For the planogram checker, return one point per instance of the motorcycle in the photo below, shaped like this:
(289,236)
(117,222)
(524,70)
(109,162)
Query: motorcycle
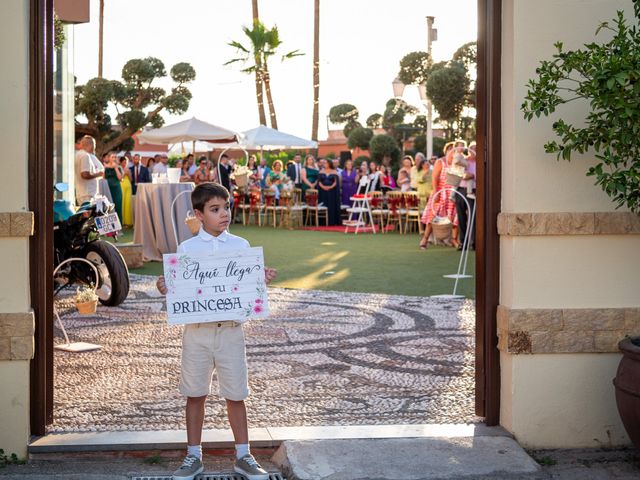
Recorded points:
(77,234)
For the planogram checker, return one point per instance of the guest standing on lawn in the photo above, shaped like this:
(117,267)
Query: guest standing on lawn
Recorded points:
(139,174)
(113,173)
(202,173)
(349,182)
(404,174)
(329,193)
(88,171)
(440,204)
(309,174)
(215,345)
(387,183)
(125,184)
(424,180)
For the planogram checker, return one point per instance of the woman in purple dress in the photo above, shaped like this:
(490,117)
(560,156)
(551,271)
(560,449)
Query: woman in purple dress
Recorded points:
(349,183)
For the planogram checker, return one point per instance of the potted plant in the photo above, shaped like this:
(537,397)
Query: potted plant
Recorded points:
(86,299)
(628,388)
(605,75)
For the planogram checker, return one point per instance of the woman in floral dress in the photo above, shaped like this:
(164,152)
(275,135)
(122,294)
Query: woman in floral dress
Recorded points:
(440,204)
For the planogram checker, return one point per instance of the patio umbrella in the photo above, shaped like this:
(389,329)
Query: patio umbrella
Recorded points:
(265,138)
(188,131)
(200,146)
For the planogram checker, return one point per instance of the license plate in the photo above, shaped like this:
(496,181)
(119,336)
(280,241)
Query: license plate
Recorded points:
(108,224)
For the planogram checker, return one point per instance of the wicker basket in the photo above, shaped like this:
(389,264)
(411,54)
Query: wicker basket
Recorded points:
(242,180)
(194,224)
(453,179)
(86,308)
(442,228)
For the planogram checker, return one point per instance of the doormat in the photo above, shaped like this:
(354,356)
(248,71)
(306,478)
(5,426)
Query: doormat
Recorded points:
(322,358)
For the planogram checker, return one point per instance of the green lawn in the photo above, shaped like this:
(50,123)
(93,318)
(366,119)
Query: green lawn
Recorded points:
(389,263)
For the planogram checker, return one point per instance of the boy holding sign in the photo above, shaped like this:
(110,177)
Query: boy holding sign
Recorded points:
(214,344)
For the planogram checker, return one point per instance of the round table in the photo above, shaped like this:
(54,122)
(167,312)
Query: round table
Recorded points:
(152,226)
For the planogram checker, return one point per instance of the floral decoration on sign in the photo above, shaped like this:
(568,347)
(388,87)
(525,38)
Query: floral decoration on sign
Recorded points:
(257,306)
(175,263)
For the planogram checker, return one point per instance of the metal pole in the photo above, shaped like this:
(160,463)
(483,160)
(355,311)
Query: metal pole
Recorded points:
(429,106)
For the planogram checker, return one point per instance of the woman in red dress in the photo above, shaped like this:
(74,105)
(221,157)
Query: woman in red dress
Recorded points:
(440,203)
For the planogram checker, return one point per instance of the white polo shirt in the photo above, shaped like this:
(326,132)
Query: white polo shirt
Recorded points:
(204,242)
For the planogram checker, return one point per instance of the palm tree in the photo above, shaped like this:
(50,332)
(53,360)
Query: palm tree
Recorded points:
(258,79)
(263,45)
(316,69)
(100,38)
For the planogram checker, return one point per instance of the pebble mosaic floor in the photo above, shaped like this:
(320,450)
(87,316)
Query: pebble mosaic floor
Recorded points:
(322,358)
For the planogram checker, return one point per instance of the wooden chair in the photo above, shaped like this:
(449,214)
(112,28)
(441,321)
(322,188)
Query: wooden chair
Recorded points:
(378,212)
(314,210)
(238,202)
(253,208)
(413,213)
(270,208)
(297,208)
(396,211)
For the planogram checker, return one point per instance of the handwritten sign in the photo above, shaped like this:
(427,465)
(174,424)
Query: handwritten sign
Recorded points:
(213,287)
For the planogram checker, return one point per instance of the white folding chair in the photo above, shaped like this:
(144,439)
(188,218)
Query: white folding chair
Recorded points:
(361,207)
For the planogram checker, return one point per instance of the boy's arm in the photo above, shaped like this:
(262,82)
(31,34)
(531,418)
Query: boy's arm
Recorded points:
(161,286)
(270,274)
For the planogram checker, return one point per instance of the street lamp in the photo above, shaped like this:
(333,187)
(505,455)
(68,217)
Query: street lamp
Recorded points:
(432,36)
(398,87)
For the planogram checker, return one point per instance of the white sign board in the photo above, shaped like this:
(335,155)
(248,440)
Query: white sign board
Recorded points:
(213,287)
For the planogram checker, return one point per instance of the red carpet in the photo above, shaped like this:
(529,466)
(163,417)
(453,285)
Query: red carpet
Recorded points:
(340,229)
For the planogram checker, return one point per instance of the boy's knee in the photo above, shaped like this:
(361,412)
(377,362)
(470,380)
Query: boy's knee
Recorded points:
(234,402)
(197,399)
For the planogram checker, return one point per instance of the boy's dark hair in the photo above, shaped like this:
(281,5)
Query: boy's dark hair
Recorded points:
(205,192)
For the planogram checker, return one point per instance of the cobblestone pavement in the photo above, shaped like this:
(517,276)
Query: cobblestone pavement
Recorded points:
(322,358)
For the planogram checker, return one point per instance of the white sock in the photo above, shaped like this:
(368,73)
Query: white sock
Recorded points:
(195,450)
(242,449)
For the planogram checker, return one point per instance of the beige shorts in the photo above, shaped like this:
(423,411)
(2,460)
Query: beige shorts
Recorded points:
(209,346)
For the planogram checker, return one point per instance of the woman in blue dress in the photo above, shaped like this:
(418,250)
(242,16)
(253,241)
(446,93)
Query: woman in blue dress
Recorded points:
(329,192)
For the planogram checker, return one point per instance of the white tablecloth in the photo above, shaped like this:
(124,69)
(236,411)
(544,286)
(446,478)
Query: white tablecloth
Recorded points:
(152,225)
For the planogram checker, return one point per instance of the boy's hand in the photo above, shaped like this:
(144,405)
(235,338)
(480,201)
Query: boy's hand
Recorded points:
(162,287)
(270,274)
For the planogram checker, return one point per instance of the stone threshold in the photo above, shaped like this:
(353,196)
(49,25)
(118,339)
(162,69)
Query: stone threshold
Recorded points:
(270,437)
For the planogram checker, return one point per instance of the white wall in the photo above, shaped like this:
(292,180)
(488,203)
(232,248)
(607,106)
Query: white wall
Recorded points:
(558,400)
(14,281)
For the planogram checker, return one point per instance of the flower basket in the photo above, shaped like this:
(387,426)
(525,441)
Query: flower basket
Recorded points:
(442,228)
(86,299)
(193,223)
(454,176)
(241,180)
(86,308)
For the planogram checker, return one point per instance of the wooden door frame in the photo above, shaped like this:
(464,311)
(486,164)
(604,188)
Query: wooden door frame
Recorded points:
(40,167)
(489,177)
(488,206)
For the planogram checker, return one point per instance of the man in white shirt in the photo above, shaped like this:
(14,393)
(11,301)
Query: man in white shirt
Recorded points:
(88,171)
(161,166)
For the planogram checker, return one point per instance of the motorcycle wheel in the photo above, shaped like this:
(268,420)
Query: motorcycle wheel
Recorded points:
(113,286)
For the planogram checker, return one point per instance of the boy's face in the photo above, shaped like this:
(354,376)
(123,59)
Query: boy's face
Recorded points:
(216,215)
